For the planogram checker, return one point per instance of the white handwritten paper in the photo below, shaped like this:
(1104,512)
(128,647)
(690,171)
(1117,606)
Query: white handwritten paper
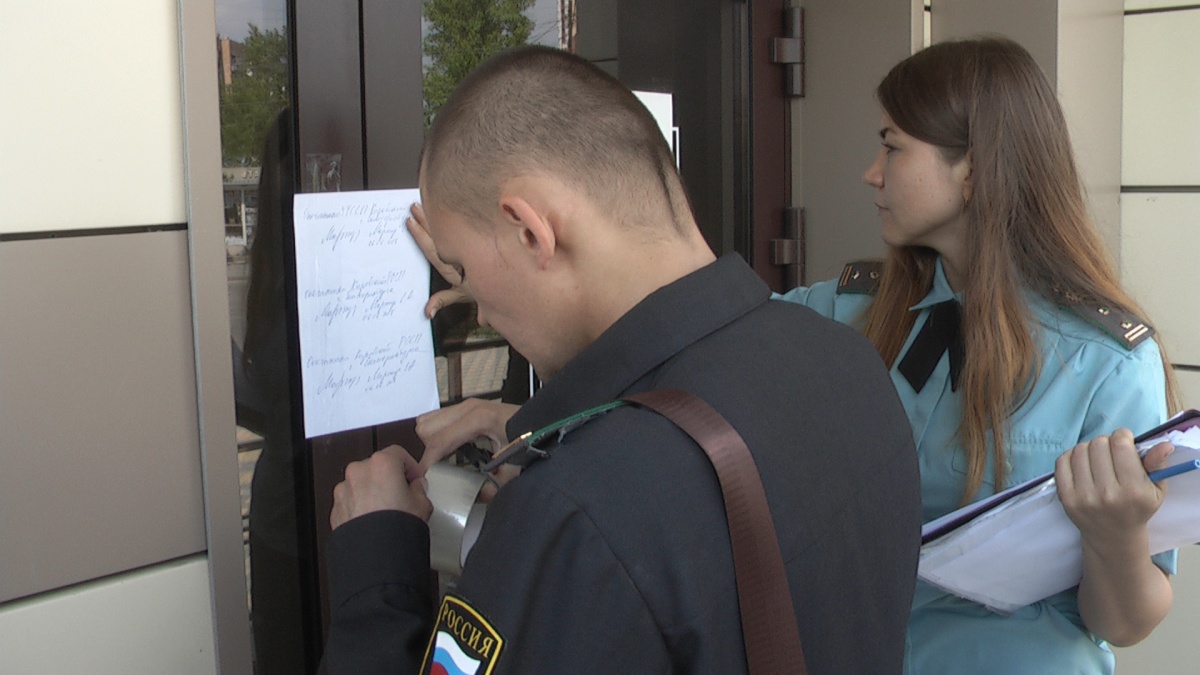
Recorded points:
(366,349)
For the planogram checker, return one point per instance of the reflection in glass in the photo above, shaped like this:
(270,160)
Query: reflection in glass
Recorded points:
(265,406)
(257,158)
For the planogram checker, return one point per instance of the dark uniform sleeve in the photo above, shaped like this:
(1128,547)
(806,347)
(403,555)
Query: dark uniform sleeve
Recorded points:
(379,586)
(545,577)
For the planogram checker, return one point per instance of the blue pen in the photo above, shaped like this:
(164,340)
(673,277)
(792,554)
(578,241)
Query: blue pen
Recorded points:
(1183,467)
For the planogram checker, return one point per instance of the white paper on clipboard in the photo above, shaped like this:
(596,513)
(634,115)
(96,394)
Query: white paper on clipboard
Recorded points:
(1026,548)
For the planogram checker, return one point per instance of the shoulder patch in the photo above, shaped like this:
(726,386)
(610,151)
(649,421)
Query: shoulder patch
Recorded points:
(1127,329)
(463,642)
(860,277)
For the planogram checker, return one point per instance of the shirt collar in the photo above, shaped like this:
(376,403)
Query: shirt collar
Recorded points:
(1045,311)
(656,329)
(939,291)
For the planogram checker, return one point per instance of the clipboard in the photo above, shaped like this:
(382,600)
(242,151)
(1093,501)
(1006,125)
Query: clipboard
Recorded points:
(1019,547)
(946,524)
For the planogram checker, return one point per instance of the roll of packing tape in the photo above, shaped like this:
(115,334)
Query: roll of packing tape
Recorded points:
(457,517)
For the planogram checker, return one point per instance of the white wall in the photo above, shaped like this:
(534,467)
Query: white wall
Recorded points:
(1159,232)
(149,622)
(91,132)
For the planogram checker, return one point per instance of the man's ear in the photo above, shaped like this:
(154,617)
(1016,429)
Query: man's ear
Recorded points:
(534,230)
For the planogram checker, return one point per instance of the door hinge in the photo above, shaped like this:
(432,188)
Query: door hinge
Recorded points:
(788,251)
(788,50)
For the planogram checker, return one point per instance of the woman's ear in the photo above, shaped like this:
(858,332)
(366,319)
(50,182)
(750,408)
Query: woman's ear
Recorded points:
(966,166)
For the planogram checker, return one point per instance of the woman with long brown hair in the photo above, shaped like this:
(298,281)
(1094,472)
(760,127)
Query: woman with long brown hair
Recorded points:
(1010,340)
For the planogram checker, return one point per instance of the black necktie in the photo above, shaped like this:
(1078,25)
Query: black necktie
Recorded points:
(941,332)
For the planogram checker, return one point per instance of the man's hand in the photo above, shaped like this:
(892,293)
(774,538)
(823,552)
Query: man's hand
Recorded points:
(472,421)
(390,479)
(419,230)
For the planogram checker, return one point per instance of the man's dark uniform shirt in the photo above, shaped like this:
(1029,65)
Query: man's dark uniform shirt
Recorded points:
(612,555)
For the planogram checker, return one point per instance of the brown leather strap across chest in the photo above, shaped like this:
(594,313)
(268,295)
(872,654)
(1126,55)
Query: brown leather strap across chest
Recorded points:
(768,619)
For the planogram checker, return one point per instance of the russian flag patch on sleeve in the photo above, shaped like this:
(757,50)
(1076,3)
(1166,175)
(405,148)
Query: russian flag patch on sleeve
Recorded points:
(463,642)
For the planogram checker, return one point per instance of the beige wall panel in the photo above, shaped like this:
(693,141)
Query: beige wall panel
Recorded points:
(151,622)
(92,131)
(1189,384)
(99,457)
(1171,648)
(1154,4)
(1033,23)
(849,46)
(1160,235)
(1162,99)
(1090,36)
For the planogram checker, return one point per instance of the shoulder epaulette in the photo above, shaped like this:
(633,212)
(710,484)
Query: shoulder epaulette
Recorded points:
(1124,327)
(860,277)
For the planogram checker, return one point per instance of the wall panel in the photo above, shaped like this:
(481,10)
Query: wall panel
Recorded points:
(1189,384)
(1154,4)
(99,455)
(850,46)
(1162,99)
(1160,235)
(92,132)
(150,622)
(1033,23)
(1160,141)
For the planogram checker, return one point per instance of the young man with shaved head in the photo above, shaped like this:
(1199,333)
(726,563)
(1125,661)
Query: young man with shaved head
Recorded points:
(550,189)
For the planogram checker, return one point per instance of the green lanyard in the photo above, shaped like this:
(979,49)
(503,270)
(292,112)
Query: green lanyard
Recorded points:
(531,445)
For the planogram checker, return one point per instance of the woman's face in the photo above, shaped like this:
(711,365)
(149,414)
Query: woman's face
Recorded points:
(922,198)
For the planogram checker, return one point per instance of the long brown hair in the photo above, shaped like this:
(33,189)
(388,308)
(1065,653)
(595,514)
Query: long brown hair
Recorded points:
(1028,227)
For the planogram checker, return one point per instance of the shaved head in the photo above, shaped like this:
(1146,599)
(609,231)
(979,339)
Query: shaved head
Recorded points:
(536,110)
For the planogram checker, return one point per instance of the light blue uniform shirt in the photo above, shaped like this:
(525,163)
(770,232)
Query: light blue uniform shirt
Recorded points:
(1089,385)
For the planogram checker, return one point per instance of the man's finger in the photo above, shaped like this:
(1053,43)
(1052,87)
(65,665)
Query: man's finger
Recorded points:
(442,299)
(412,468)
(419,230)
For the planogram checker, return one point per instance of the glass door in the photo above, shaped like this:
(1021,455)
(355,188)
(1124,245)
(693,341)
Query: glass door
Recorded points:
(335,96)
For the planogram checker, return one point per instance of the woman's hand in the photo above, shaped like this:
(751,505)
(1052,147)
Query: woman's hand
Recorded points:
(1104,487)
(1105,491)
(419,229)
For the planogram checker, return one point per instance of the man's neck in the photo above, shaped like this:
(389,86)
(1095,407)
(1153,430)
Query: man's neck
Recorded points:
(616,288)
